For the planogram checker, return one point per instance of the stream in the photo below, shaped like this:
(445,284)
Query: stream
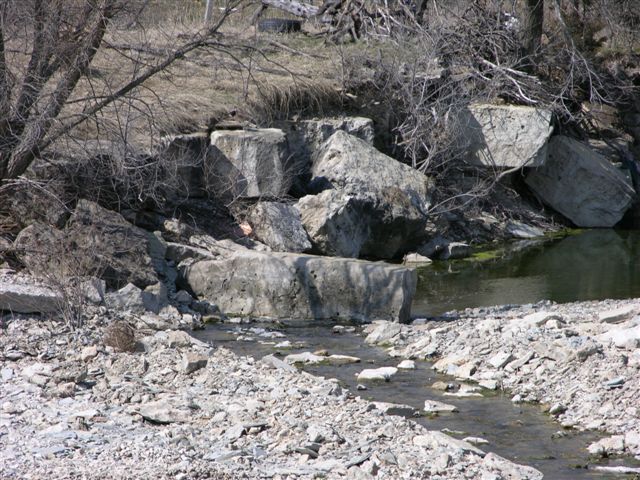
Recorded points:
(594,265)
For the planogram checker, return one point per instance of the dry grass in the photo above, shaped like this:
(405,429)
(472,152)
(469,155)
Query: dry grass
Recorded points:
(263,75)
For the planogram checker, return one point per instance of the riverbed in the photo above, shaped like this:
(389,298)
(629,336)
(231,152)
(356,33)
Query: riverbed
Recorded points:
(519,432)
(594,265)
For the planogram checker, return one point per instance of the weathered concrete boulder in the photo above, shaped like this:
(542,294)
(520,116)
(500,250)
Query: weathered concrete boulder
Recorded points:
(299,287)
(307,136)
(28,298)
(505,135)
(248,163)
(136,300)
(279,226)
(96,242)
(369,204)
(581,184)
(380,225)
(347,163)
(183,157)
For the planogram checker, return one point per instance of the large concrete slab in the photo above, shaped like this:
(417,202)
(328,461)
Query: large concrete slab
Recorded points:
(303,287)
(248,163)
(581,184)
(505,136)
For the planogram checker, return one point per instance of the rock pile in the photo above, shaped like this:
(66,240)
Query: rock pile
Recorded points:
(580,360)
(72,408)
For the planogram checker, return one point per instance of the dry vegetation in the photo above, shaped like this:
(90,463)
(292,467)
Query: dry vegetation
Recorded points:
(394,74)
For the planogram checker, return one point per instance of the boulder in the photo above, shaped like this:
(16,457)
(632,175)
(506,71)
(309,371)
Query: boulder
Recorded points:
(279,226)
(383,225)
(136,300)
(28,298)
(416,259)
(505,136)
(27,203)
(383,374)
(116,251)
(295,286)
(581,184)
(350,164)
(247,163)
(357,213)
(183,157)
(307,136)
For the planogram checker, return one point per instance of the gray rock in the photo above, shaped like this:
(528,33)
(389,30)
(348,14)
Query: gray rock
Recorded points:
(95,243)
(435,439)
(433,247)
(453,250)
(416,259)
(248,163)
(557,409)
(381,215)
(607,446)
(377,374)
(341,359)
(618,315)
(395,409)
(304,357)
(382,332)
(279,226)
(507,469)
(277,363)
(192,362)
(433,406)
(505,135)
(407,365)
(133,299)
(346,224)
(284,285)
(628,338)
(522,230)
(183,158)
(307,136)
(500,360)
(581,184)
(119,250)
(93,289)
(348,163)
(29,298)
(161,412)
(89,353)
(184,297)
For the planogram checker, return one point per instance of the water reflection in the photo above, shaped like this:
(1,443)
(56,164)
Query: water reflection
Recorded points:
(594,265)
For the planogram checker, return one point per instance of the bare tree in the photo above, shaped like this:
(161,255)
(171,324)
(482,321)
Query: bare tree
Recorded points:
(46,48)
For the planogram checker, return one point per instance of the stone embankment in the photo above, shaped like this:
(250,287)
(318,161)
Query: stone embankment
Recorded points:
(71,407)
(580,361)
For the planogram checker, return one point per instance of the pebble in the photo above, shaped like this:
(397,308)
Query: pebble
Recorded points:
(580,358)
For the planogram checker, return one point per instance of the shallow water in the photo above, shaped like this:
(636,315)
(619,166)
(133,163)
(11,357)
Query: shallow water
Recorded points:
(518,432)
(594,265)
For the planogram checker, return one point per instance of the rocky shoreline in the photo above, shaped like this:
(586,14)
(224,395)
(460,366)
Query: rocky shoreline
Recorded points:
(72,407)
(580,361)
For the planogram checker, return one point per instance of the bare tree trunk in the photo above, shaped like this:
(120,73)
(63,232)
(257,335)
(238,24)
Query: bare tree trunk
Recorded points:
(294,7)
(532,29)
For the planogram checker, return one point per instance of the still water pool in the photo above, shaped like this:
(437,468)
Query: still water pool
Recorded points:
(593,265)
